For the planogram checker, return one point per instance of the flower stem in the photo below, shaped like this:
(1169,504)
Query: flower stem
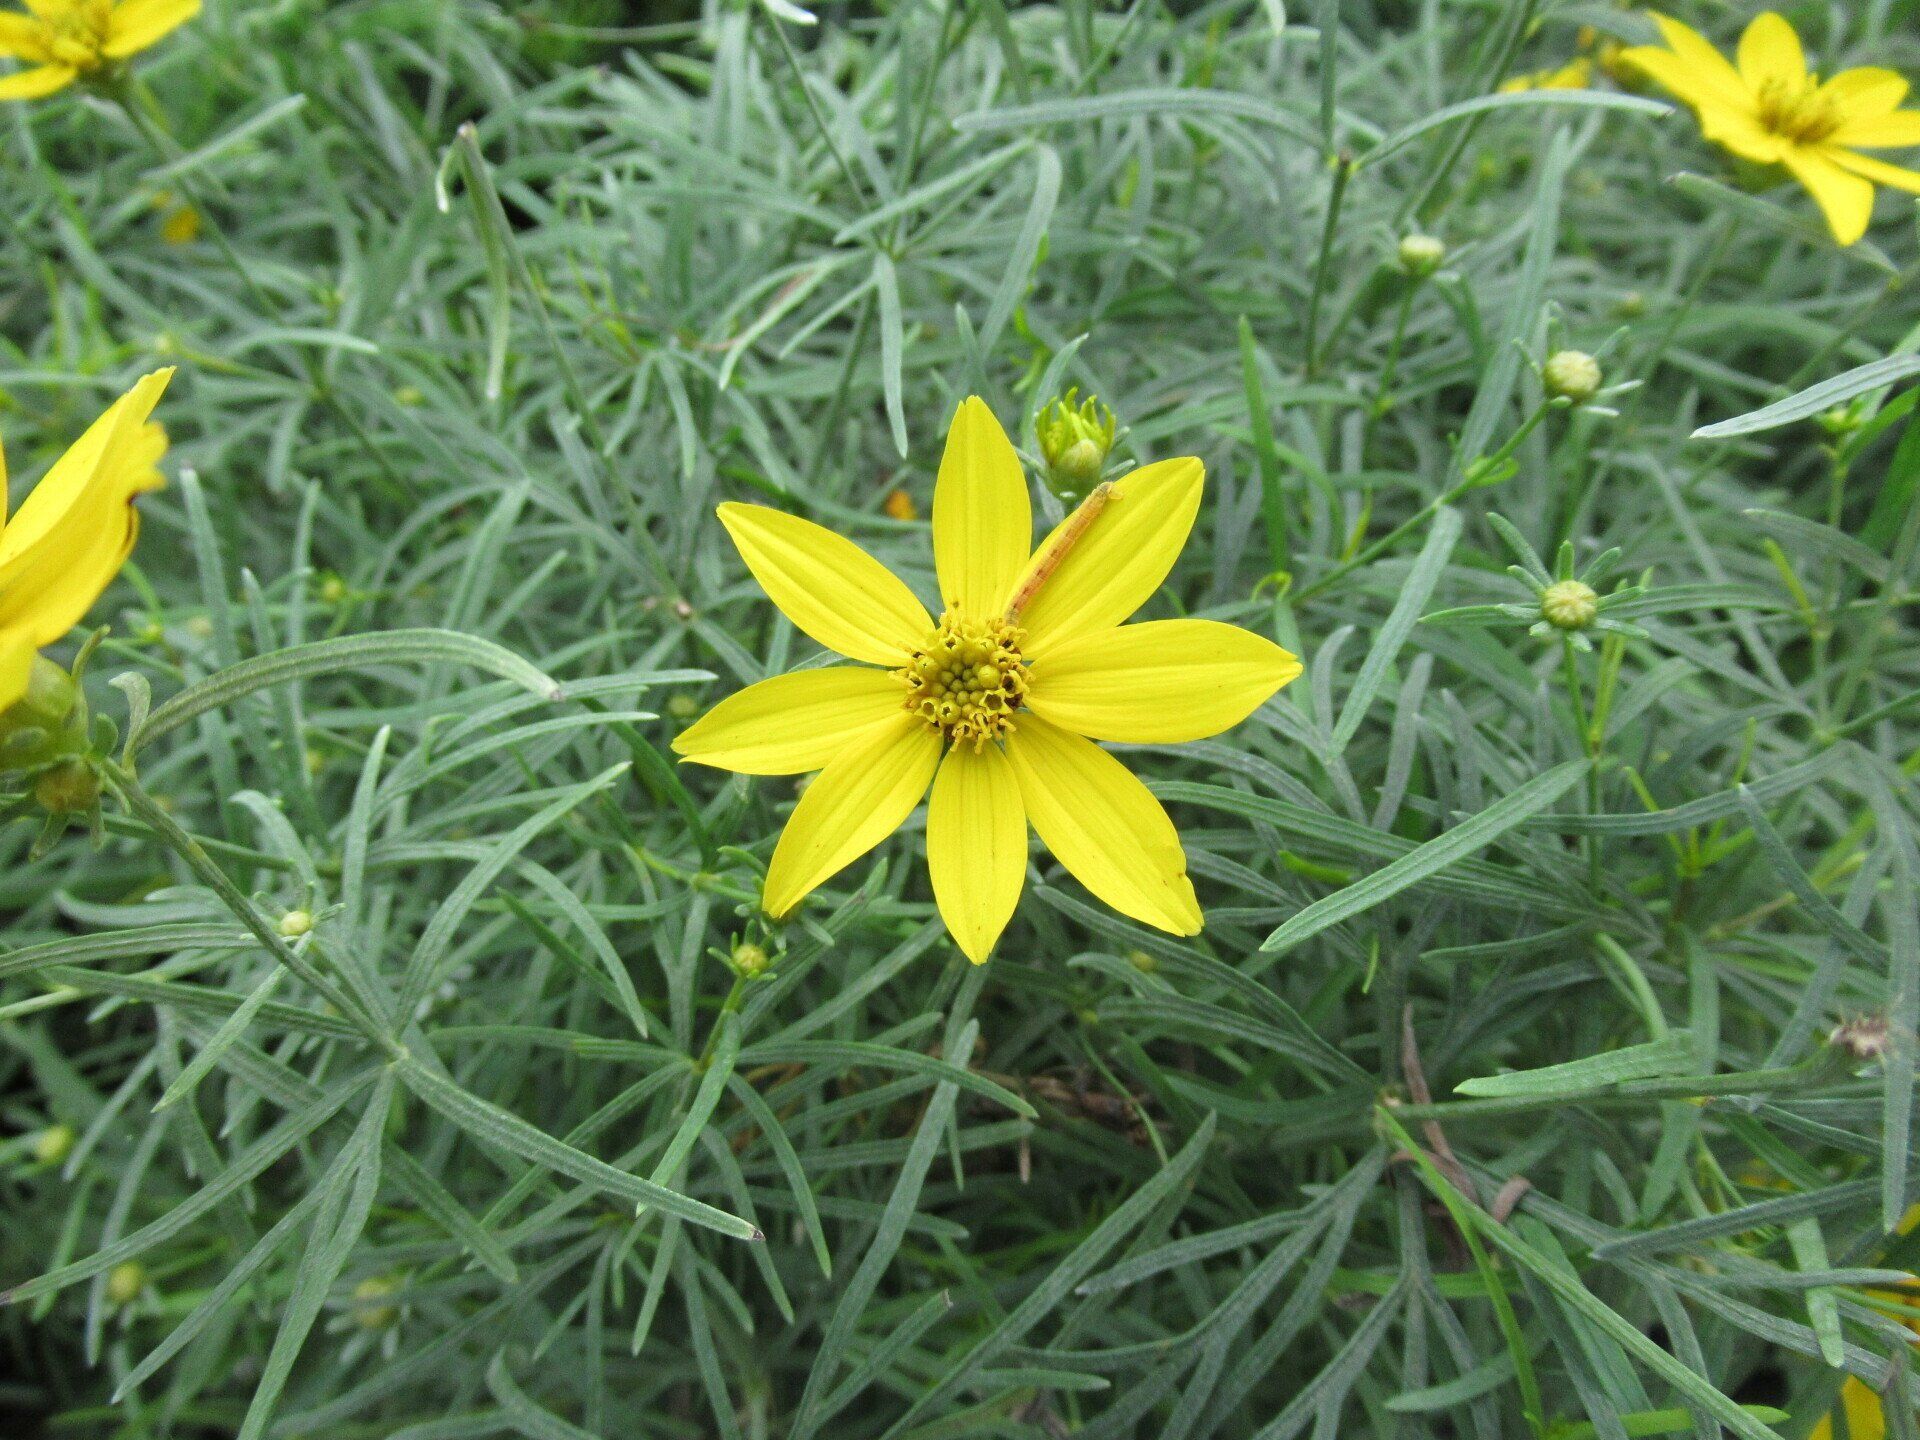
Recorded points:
(150,813)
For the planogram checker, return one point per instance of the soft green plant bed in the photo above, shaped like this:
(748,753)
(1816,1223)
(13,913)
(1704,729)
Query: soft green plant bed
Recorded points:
(408,1054)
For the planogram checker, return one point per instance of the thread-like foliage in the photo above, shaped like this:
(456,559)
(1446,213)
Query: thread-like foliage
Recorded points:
(391,1070)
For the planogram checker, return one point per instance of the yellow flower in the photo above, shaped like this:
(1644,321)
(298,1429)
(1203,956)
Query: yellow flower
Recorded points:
(997,705)
(1859,1400)
(75,530)
(61,40)
(1770,109)
(1576,74)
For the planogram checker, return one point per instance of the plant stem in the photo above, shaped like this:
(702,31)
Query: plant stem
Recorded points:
(149,811)
(1343,167)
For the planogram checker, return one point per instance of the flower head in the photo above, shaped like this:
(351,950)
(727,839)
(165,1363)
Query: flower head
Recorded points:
(997,704)
(1421,255)
(1571,375)
(1770,109)
(60,41)
(74,531)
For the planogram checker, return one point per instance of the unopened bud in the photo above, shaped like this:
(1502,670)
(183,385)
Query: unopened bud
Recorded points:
(53,1144)
(1075,440)
(295,923)
(1571,375)
(125,1282)
(369,1311)
(683,707)
(1421,255)
(1569,605)
(749,960)
(899,506)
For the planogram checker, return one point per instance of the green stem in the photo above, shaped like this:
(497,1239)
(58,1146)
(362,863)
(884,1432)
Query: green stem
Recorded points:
(1343,168)
(150,813)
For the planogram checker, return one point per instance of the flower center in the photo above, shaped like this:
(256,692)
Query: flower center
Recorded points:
(1797,112)
(967,680)
(76,33)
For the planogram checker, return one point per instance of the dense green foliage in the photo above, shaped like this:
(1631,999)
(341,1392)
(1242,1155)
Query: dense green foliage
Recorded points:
(1111,1183)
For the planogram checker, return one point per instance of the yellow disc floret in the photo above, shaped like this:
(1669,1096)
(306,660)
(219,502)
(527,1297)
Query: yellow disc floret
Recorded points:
(1798,110)
(967,680)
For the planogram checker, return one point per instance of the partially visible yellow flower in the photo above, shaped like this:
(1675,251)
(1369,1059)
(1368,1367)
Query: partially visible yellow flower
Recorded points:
(61,40)
(997,705)
(1860,1401)
(1770,109)
(75,530)
(1576,74)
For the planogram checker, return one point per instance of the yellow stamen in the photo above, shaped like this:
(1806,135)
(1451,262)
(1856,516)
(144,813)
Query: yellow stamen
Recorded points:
(967,680)
(1799,113)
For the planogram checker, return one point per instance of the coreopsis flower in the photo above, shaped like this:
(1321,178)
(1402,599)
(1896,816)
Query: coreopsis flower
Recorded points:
(1576,74)
(998,703)
(74,531)
(61,41)
(1768,108)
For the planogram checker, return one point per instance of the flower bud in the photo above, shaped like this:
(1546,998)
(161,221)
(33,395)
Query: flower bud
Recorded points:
(369,1311)
(53,1144)
(899,506)
(1421,255)
(749,960)
(1571,375)
(1569,605)
(125,1282)
(1075,440)
(295,923)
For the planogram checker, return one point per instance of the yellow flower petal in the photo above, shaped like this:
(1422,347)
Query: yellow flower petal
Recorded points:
(827,585)
(1846,200)
(1865,92)
(1119,561)
(862,796)
(1161,682)
(22,38)
(37,82)
(1741,132)
(1770,54)
(1702,70)
(78,526)
(976,846)
(1878,171)
(792,723)
(16,665)
(1865,1419)
(1103,825)
(1892,131)
(137,24)
(982,519)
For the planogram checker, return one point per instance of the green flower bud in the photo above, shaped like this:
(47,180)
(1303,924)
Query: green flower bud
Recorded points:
(683,707)
(1571,375)
(295,923)
(125,1282)
(1421,255)
(1569,605)
(1075,440)
(749,960)
(368,1310)
(53,1144)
